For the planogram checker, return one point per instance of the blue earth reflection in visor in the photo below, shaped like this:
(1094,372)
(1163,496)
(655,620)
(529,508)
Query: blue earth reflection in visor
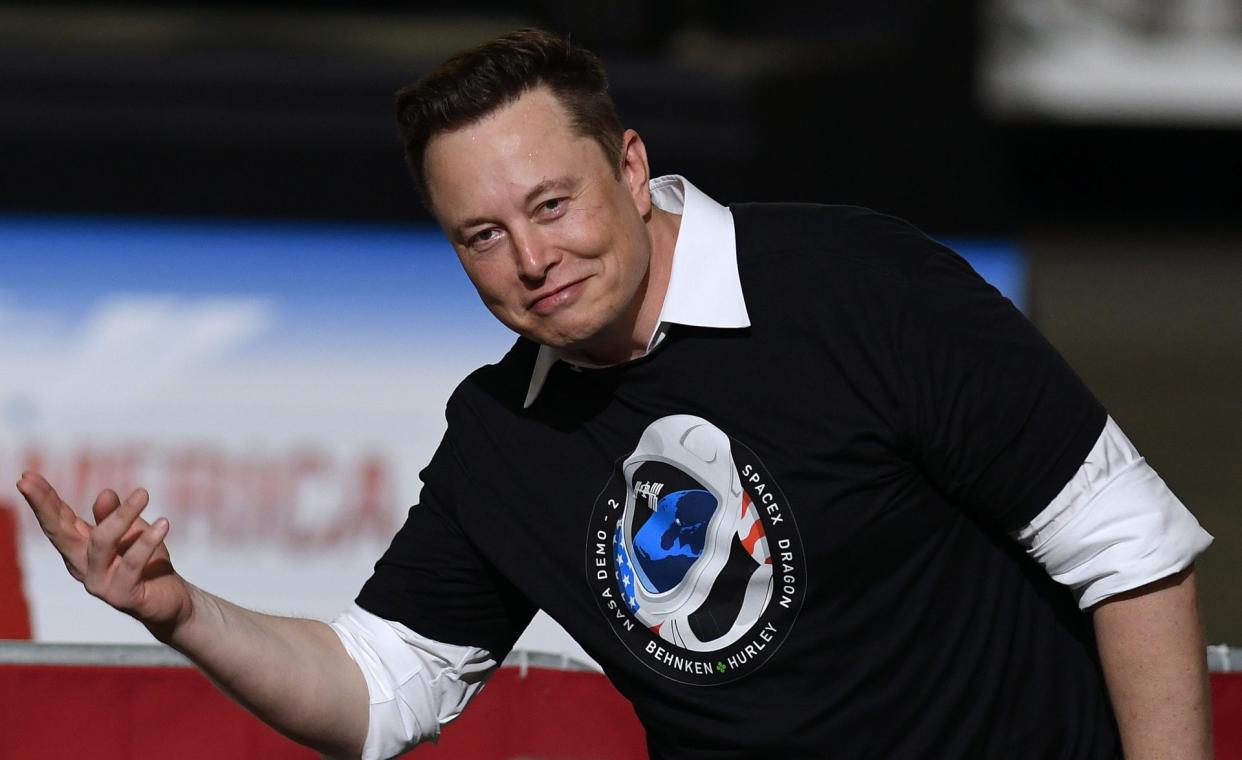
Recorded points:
(672,538)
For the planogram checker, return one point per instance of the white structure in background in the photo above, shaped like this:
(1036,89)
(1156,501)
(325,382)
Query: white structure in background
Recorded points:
(1167,63)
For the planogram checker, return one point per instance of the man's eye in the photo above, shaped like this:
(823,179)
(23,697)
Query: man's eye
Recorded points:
(484,238)
(552,206)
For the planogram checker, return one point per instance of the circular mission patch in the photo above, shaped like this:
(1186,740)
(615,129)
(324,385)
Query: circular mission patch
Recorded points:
(694,556)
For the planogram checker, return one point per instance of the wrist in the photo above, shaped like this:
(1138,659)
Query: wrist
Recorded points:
(176,630)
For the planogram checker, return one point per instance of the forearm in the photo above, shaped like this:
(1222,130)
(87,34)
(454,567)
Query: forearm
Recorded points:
(1152,651)
(292,673)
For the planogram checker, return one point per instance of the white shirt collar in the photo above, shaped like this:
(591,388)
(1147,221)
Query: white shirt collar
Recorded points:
(704,289)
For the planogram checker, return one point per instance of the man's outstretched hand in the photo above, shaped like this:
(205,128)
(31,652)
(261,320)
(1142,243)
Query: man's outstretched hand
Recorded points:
(121,559)
(291,672)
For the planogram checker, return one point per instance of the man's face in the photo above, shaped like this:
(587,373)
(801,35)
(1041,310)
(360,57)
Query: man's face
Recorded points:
(553,241)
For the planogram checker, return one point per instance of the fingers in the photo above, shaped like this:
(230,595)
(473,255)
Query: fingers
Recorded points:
(62,526)
(129,573)
(91,554)
(48,508)
(102,547)
(105,503)
(31,481)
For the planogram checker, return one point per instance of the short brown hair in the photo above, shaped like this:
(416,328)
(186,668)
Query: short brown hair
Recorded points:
(478,81)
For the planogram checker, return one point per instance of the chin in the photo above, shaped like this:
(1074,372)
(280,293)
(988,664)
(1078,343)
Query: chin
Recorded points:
(566,342)
(574,336)
(579,329)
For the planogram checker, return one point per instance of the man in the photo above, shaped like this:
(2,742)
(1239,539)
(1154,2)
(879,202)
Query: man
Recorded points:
(760,461)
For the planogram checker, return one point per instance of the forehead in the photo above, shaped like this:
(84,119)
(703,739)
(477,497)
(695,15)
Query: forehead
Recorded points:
(504,155)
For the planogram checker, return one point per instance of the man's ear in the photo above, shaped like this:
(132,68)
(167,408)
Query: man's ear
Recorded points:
(635,171)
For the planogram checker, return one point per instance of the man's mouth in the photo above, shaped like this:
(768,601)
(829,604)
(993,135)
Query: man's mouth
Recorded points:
(551,301)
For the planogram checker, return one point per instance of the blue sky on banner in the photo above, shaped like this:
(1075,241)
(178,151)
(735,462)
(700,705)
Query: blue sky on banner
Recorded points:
(1000,262)
(328,285)
(318,286)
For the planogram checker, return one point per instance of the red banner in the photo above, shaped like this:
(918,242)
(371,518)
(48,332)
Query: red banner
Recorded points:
(14,615)
(101,713)
(1227,715)
(58,711)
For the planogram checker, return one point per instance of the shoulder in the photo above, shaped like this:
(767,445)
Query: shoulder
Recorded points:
(496,387)
(829,237)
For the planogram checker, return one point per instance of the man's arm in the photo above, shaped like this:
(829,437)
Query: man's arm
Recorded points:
(1152,650)
(1119,538)
(292,673)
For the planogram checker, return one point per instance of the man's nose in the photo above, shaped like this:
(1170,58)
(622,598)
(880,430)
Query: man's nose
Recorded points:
(535,255)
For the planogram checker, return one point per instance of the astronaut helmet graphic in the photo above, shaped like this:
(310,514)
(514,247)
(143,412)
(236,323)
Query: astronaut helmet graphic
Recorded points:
(693,563)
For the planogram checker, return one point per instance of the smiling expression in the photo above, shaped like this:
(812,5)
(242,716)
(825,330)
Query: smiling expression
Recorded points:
(556,242)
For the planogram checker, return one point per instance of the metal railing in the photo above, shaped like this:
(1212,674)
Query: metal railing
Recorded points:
(1221,658)
(158,655)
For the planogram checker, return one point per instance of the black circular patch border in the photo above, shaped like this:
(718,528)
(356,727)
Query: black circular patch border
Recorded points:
(764,637)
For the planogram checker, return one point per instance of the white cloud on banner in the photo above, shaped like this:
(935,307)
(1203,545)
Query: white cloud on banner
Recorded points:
(130,345)
(25,330)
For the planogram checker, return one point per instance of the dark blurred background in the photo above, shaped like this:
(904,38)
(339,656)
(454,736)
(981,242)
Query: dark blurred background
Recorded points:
(1104,136)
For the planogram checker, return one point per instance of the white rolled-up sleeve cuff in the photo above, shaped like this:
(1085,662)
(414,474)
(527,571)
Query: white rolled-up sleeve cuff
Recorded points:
(1115,526)
(415,684)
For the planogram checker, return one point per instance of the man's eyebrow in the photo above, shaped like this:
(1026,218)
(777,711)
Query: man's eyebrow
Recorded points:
(558,183)
(473,221)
